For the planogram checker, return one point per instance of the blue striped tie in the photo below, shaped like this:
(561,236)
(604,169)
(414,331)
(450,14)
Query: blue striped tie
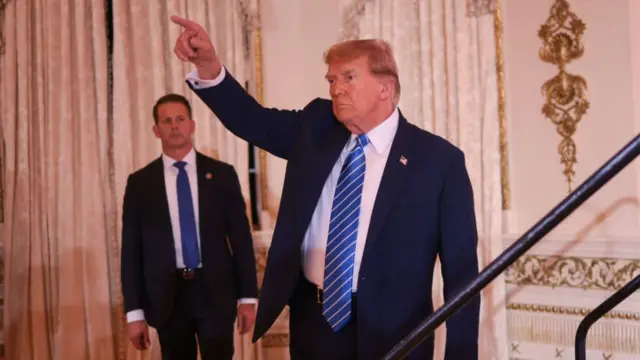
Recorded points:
(343,232)
(188,232)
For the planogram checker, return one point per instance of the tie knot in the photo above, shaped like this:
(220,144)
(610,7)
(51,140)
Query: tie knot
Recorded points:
(180,164)
(363,140)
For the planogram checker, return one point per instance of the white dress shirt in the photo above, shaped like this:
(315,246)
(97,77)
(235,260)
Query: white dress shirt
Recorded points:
(314,245)
(170,184)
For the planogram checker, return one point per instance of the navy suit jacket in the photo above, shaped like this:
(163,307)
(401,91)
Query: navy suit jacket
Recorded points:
(424,209)
(148,253)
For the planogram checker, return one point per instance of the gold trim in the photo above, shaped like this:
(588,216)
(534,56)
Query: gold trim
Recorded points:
(262,154)
(565,94)
(572,272)
(498,27)
(275,340)
(571,311)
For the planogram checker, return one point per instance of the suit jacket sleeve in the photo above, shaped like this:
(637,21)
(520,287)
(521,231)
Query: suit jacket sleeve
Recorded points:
(239,235)
(270,129)
(458,258)
(131,250)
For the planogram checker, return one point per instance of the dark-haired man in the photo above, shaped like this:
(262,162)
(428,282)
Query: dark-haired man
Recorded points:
(188,264)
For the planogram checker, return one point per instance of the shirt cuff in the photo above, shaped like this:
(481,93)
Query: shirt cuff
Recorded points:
(248,301)
(135,315)
(197,83)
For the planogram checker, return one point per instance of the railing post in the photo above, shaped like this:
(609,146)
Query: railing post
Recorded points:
(597,313)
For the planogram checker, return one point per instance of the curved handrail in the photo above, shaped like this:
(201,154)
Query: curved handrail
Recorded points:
(595,315)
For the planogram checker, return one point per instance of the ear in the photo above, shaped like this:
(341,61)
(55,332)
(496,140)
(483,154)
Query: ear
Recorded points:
(386,89)
(156,132)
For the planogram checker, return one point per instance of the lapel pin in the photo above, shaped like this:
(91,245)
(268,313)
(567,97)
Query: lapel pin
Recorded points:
(208,176)
(403,160)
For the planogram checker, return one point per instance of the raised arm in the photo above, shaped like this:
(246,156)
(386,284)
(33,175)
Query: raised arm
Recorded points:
(270,129)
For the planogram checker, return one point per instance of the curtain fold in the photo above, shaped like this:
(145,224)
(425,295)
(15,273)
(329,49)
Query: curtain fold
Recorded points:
(447,65)
(54,99)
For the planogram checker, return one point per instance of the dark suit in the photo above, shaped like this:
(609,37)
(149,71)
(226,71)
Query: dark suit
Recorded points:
(424,209)
(150,278)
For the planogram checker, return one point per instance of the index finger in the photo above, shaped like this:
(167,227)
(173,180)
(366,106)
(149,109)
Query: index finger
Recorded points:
(186,23)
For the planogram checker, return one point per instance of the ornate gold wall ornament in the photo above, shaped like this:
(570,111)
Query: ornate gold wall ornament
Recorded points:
(565,93)
(572,272)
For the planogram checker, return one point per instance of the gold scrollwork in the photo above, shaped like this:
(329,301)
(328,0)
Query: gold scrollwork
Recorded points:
(565,94)
(574,272)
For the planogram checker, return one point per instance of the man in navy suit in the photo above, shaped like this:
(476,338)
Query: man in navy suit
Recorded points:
(369,202)
(188,263)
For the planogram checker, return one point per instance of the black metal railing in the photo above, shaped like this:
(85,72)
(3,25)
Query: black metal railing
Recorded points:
(605,173)
(606,306)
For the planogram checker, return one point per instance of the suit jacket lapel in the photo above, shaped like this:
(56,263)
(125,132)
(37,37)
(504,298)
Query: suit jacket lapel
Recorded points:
(316,171)
(394,174)
(206,205)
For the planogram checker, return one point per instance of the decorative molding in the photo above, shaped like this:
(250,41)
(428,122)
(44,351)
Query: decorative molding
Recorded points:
(573,272)
(498,27)
(261,263)
(571,311)
(579,245)
(565,93)
(275,340)
(608,335)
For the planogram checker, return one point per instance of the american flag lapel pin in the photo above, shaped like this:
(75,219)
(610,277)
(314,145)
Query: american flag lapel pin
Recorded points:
(403,160)
(208,176)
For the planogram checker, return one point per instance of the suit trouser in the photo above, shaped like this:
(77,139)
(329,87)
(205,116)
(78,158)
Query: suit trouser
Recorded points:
(311,337)
(192,325)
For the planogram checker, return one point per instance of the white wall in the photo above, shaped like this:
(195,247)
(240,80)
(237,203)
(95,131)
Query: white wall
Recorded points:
(295,35)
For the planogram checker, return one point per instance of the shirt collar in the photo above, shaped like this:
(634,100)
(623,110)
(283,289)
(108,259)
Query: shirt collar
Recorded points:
(382,135)
(190,159)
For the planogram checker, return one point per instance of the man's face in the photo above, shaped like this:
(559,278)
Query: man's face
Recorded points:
(355,92)
(174,127)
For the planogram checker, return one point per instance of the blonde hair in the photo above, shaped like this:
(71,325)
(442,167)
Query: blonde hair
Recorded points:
(379,56)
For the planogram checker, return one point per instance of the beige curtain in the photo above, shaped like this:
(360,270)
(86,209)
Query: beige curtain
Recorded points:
(146,68)
(54,116)
(446,60)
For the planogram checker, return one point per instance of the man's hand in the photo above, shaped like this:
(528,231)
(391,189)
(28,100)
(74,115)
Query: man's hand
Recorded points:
(194,45)
(246,317)
(139,334)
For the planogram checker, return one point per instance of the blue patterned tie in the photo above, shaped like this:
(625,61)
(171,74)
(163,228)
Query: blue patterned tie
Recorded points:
(188,233)
(341,243)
